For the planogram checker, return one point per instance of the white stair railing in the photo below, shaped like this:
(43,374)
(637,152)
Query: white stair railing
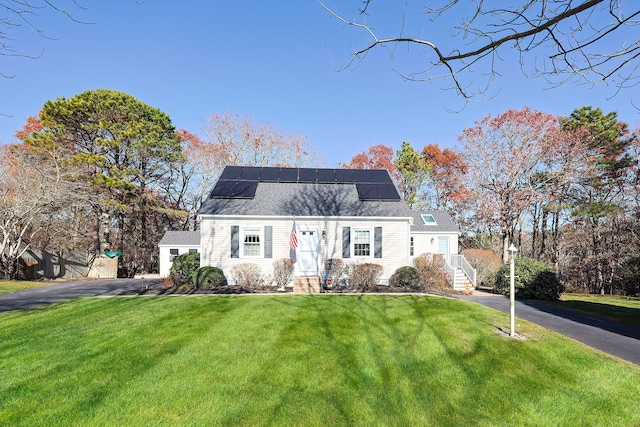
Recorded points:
(459,261)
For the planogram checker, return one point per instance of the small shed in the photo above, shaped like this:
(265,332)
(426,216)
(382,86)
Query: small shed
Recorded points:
(176,243)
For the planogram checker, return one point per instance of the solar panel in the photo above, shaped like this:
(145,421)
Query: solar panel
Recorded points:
(245,190)
(237,182)
(362,176)
(250,173)
(231,173)
(223,189)
(388,192)
(381,176)
(269,175)
(307,175)
(367,191)
(326,176)
(288,175)
(344,176)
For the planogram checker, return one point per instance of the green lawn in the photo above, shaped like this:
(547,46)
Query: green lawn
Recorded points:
(8,286)
(622,309)
(300,360)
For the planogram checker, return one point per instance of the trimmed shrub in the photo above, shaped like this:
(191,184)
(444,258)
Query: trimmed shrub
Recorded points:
(534,280)
(184,266)
(431,273)
(283,272)
(364,277)
(208,277)
(248,275)
(335,269)
(486,263)
(405,277)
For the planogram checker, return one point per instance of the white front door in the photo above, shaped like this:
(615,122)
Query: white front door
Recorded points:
(307,254)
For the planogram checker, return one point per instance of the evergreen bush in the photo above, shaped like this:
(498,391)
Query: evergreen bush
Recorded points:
(184,266)
(208,277)
(533,280)
(405,277)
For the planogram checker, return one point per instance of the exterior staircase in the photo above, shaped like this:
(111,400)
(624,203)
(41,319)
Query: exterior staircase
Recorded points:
(461,282)
(460,274)
(306,285)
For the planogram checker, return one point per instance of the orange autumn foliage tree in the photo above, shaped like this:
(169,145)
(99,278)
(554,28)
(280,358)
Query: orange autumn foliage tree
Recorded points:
(376,157)
(505,154)
(448,169)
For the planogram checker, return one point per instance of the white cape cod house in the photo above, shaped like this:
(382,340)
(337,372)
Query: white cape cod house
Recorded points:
(352,214)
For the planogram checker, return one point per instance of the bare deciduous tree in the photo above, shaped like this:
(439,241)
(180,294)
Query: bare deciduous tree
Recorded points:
(235,140)
(37,195)
(20,14)
(560,40)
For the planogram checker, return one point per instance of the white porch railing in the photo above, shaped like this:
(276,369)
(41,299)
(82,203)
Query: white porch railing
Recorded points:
(460,262)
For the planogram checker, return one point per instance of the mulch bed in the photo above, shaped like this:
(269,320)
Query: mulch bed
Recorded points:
(236,290)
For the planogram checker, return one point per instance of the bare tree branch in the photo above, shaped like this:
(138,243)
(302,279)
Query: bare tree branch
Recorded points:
(24,14)
(574,38)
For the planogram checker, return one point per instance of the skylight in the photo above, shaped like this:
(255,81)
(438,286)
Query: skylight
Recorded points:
(428,219)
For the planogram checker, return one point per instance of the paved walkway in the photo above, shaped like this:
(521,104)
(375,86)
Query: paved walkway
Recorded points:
(615,338)
(70,290)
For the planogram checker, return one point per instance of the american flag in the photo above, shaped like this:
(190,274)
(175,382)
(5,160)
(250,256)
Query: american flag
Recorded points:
(293,240)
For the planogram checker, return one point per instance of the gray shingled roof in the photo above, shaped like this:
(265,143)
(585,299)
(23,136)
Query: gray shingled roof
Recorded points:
(181,238)
(304,199)
(444,222)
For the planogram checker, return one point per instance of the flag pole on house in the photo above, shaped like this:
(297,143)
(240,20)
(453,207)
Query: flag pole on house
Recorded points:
(293,241)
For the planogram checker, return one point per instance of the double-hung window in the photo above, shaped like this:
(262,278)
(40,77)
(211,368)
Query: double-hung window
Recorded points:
(251,242)
(361,242)
(172,254)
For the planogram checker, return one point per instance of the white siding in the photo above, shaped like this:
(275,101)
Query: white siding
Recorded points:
(428,242)
(216,241)
(165,256)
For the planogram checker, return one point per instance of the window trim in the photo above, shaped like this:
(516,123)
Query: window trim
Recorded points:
(371,242)
(241,242)
(423,216)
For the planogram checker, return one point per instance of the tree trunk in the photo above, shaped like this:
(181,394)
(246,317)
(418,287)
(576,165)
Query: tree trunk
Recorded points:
(543,239)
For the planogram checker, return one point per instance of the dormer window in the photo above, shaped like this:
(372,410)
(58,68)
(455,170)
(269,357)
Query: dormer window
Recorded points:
(428,219)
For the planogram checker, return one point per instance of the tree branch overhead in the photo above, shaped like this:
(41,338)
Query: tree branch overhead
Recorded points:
(590,41)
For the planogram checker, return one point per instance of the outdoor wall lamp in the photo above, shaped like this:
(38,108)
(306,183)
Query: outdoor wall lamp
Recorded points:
(512,291)
(324,234)
(432,240)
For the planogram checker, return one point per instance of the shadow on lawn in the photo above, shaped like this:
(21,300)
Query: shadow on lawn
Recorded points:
(394,377)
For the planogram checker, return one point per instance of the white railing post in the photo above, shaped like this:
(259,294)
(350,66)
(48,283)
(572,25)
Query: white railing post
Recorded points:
(459,261)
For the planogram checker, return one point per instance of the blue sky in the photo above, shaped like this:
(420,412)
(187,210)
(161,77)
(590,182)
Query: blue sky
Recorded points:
(273,61)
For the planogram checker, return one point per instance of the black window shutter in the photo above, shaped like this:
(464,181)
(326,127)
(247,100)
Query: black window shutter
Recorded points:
(268,239)
(346,242)
(377,242)
(235,241)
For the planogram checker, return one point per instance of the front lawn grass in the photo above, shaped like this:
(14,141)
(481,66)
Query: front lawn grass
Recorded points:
(620,308)
(300,360)
(8,286)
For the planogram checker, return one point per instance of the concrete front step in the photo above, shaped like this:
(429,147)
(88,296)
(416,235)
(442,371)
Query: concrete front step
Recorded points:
(306,285)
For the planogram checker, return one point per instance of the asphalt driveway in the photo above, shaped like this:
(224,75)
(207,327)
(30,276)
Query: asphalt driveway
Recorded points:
(615,338)
(70,290)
